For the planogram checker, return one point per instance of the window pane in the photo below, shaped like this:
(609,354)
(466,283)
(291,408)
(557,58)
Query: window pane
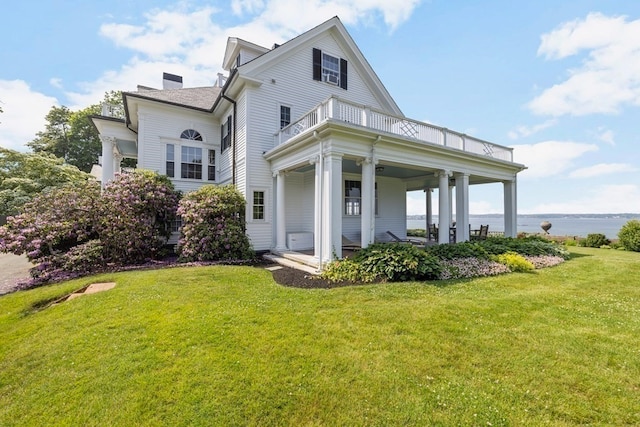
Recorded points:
(211,174)
(170,169)
(285,116)
(258,205)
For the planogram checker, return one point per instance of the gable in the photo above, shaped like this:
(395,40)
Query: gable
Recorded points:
(330,38)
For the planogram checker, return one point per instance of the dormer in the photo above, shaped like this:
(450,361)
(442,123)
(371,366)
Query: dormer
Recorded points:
(240,52)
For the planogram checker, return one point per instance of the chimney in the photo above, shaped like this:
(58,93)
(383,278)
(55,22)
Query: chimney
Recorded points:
(171,81)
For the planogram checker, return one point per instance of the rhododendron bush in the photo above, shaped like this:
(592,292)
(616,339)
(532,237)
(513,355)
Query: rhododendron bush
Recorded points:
(213,225)
(74,230)
(136,212)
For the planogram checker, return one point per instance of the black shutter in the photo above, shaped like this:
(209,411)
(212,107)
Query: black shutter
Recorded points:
(222,147)
(317,64)
(343,73)
(229,131)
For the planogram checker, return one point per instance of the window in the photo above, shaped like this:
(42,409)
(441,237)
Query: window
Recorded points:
(225,134)
(353,198)
(191,134)
(258,205)
(176,225)
(285,116)
(211,170)
(170,166)
(329,68)
(191,166)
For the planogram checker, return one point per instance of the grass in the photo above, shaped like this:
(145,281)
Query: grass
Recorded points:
(228,346)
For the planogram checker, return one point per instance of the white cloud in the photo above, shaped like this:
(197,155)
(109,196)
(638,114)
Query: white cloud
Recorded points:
(189,42)
(56,82)
(549,158)
(602,169)
(623,198)
(607,80)
(607,136)
(24,112)
(525,131)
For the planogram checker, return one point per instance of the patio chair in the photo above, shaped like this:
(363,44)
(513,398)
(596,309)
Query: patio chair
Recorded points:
(432,232)
(397,239)
(480,234)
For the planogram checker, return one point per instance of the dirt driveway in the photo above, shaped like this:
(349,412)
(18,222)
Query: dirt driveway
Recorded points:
(13,268)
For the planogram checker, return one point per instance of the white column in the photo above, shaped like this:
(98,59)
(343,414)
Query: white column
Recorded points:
(281,230)
(462,207)
(444,214)
(510,208)
(367,211)
(429,202)
(108,144)
(332,230)
(317,222)
(117,160)
(450,204)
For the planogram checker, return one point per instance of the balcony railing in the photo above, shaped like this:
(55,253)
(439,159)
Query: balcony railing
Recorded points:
(339,109)
(111,110)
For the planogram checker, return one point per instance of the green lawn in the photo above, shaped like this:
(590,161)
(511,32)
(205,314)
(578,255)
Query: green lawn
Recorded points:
(228,346)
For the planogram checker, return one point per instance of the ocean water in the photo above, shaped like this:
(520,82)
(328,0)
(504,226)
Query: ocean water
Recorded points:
(571,225)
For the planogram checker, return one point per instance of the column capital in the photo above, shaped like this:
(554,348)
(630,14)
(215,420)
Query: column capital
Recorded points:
(461,174)
(108,139)
(364,161)
(314,159)
(442,173)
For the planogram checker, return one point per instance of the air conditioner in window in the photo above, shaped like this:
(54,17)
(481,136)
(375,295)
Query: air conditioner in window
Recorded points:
(331,78)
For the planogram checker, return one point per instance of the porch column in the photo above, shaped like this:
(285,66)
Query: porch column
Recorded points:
(510,208)
(108,144)
(332,230)
(368,200)
(281,230)
(462,207)
(450,204)
(427,193)
(444,214)
(318,211)
(117,160)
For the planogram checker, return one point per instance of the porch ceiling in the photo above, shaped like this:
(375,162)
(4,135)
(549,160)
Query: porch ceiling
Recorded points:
(415,178)
(127,148)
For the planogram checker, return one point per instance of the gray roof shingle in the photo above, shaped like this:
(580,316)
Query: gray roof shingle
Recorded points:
(201,98)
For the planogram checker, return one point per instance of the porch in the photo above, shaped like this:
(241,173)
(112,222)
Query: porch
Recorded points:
(344,169)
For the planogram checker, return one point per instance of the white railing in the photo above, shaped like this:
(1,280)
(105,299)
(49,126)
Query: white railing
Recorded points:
(339,109)
(111,110)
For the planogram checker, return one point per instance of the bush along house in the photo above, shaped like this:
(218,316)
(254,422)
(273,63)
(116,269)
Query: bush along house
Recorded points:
(308,133)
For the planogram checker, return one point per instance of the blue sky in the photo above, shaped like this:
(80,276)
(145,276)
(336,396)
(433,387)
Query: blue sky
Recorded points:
(558,81)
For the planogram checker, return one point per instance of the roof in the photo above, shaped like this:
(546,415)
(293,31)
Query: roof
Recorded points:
(199,98)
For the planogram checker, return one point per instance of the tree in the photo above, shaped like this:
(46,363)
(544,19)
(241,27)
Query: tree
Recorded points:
(71,135)
(24,175)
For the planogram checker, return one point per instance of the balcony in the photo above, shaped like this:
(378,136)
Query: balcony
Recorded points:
(338,109)
(112,110)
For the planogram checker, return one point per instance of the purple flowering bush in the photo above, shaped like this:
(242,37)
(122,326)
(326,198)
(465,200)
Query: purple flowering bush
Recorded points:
(213,225)
(135,215)
(53,222)
(462,268)
(74,230)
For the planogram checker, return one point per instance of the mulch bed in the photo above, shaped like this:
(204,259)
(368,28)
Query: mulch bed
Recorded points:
(293,278)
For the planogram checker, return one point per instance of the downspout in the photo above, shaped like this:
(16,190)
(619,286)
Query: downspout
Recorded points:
(233,139)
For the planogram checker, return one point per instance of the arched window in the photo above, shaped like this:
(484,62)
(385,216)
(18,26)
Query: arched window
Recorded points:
(191,134)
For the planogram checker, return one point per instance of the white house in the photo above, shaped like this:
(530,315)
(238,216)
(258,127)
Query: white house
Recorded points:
(309,134)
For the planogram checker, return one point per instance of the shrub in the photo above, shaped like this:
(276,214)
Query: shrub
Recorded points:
(136,212)
(398,262)
(463,268)
(346,270)
(213,225)
(515,262)
(527,246)
(629,235)
(596,240)
(458,250)
(53,222)
(544,261)
(416,232)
